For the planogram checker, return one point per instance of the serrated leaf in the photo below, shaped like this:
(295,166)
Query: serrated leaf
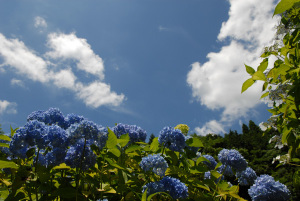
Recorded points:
(5,137)
(259,75)
(248,83)
(284,5)
(8,164)
(154,145)
(263,65)
(249,69)
(112,140)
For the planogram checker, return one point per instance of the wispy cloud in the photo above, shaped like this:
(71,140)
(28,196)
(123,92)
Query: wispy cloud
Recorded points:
(40,22)
(7,107)
(162,28)
(51,68)
(217,82)
(16,82)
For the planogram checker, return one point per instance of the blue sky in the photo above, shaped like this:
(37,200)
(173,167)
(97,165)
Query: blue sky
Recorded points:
(152,63)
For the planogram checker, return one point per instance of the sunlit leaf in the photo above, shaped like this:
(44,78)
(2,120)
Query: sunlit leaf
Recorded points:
(112,139)
(8,164)
(284,5)
(249,69)
(4,137)
(258,75)
(248,83)
(124,139)
(263,65)
(154,145)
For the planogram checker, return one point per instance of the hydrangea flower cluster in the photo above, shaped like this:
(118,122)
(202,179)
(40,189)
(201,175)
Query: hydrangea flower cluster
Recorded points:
(266,188)
(136,133)
(172,139)
(212,162)
(74,155)
(225,170)
(170,185)
(52,131)
(233,159)
(156,163)
(183,127)
(89,131)
(246,177)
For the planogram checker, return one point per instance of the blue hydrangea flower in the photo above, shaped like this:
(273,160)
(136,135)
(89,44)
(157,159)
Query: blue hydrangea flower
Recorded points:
(49,117)
(74,155)
(87,130)
(156,163)
(35,134)
(246,177)
(266,188)
(73,119)
(136,133)
(233,158)
(225,170)
(18,145)
(174,187)
(172,139)
(56,137)
(153,187)
(53,158)
(212,162)
(207,175)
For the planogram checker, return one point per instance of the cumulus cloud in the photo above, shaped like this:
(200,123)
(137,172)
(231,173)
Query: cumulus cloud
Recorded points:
(23,60)
(69,46)
(217,83)
(50,68)
(7,107)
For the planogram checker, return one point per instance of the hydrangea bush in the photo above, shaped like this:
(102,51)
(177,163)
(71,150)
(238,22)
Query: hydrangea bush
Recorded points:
(57,157)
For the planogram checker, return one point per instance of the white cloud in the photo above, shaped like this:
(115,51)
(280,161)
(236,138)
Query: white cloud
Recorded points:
(69,46)
(211,127)
(7,107)
(40,22)
(16,82)
(97,94)
(16,55)
(64,47)
(217,83)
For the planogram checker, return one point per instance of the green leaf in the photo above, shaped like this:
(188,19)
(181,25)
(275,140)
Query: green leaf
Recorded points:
(124,139)
(247,84)
(258,75)
(132,148)
(62,166)
(215,173)
(282,70)
(154,145)
(144,197)
(194,142)
(8,164)
(200,159)
(112,140)
(284,5)
(115,151)
(249,69)
(112,163)
(263,65)
(285,133)
(5,137)
(13,131)
(264,95)
(4,145)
